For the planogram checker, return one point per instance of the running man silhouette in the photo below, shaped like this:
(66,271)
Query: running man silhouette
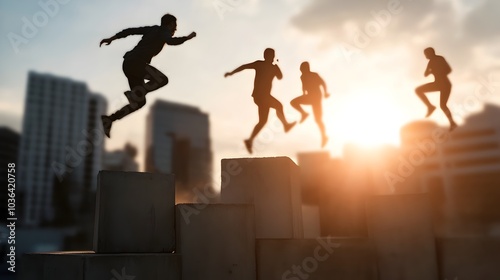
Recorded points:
(136,64)
(265,71)
(312,95)
(440,69)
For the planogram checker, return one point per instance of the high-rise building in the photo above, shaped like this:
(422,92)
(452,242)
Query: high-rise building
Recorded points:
(9,146)
(60,149)
(461,169)
(178,141)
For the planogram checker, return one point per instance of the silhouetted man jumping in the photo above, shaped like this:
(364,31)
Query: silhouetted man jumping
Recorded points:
(136,64)
(265,71)
(438,67)
(312,95)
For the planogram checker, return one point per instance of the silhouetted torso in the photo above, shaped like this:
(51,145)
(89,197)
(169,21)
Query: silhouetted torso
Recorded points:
(264,75)
(311,82)
(440,68)
(152,42)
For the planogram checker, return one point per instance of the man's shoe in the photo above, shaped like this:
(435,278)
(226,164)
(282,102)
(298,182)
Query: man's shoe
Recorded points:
(248,145)
(289,126)
(430,110)
(106,125)
(324,140)
(453,126)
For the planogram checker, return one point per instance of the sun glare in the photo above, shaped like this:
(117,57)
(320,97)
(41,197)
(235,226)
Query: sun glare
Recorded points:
(366,120)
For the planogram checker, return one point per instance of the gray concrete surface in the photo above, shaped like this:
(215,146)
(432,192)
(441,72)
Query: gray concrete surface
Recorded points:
(91,266)
(134,213)
(315,259)
(216,241)
(270,184)
(401,229)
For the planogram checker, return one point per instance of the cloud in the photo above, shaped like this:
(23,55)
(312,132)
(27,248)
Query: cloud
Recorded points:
(483,22)
(452,27)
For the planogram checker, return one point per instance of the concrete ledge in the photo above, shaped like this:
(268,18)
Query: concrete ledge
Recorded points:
(134,213)
(216,241)
(270,184)
(90,266)
(315,259)
(401,229)
(469,258)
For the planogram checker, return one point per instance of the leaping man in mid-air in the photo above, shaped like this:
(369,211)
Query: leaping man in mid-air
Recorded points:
(440,69)
(265,71)
(136,64)
(314,89)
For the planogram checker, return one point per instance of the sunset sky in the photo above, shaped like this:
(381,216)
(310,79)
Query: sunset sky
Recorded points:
(368,52)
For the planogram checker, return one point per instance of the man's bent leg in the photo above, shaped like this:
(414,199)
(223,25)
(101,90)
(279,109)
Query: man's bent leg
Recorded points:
(274,103)
(318,117)
(296,104)
(263,116)
(443,100)
(422,90)
(127,110)
(156,79)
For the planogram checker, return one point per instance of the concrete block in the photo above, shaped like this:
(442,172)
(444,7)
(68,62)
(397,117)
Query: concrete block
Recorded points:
(310,221)
(216,241)
(315,259)
(469,258)
(91,266)
(401,229)
(272,186)
(135,213)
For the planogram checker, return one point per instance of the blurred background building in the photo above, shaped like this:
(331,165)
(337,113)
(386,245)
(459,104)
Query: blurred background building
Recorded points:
(61,148)
(178,142)
(121,160)
(459,170)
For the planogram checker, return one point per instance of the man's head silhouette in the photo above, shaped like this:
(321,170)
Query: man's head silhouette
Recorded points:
(269,55)
(429,53)
(304,67)
(170,22)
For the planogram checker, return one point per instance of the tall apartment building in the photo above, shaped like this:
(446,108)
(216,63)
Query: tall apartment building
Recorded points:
(463,168)
(178,141)
(60,149)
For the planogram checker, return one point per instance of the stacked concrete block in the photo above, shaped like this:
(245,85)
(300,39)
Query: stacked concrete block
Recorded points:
(216,241)
(135,213)
(401,229)
(272,186)
(91,266)
(134,234)
(315,259)
(469,258)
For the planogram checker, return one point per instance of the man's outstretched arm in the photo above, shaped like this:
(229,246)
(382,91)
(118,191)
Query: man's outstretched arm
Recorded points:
(174,41)
(124,33)
(241,68)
